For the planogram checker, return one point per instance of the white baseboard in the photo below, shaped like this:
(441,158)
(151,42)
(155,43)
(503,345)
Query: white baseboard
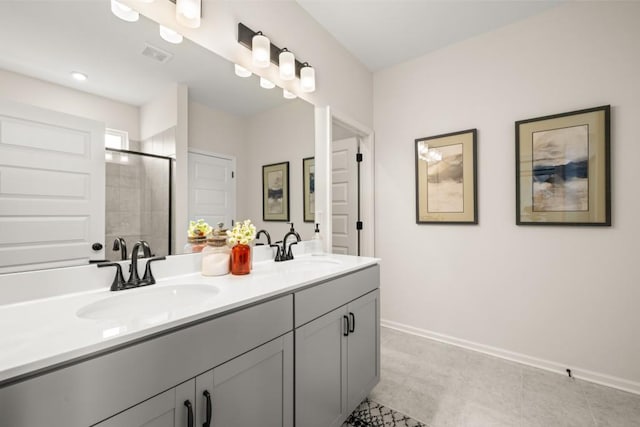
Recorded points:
(583,374)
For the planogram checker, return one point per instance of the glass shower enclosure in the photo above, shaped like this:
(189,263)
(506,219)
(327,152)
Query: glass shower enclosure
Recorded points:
(138,201)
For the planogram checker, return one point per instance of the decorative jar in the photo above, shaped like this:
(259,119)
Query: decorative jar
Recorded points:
(241,259)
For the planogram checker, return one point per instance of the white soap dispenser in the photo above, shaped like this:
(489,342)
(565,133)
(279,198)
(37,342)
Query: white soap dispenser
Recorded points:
(316,247)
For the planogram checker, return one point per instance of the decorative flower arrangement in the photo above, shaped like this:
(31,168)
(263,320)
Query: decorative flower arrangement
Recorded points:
(198,228)
(242,233)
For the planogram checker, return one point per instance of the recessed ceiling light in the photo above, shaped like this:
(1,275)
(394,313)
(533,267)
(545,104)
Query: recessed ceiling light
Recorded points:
(77,75)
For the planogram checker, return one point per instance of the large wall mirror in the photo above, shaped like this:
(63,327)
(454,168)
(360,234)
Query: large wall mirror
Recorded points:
(139,88)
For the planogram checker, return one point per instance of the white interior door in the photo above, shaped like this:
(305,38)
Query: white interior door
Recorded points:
(52,188)
(344,196)
(211,189)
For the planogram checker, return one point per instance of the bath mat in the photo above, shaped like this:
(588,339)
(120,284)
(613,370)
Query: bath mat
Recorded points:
(373,414)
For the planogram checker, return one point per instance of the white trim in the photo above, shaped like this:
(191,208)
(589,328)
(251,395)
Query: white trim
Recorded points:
(212,154)
(323,214)
(548,365)
(367,179)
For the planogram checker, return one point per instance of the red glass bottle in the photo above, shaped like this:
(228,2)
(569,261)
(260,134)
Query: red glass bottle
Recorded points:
(241,259)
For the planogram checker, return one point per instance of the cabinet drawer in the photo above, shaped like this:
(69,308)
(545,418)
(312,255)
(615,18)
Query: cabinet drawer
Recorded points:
(313,302)
(92,390)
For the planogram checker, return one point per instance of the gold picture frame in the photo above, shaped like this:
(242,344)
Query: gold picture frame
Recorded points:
(446,178)
(563,169)
(275,192)
(308,188)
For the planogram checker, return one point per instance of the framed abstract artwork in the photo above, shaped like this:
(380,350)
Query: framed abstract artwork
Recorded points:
(446,178)
(563,170)
(275,192)
(309,188)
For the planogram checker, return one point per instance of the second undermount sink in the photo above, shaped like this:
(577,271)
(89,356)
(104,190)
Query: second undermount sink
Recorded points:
(149,302)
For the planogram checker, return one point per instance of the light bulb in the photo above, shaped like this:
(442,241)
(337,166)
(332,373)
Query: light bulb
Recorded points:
(124,12)
(287,62)
(188,13)
(307,78)
(261,50)
(241,71)
(267,84)
(288,95)
(170,35)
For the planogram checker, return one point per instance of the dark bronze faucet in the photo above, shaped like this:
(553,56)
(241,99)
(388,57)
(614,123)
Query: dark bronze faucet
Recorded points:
(134,280)
(267,235)
(286,255)
(119,244)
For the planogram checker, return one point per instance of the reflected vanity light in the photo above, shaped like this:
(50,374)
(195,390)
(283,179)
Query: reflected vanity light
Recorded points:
(241,71)
(307,78)
(260,50)
(267,84)
(170,35)
(77,75)
(288,95)
(287,62)
(188,13)
(124,12)
(428,155)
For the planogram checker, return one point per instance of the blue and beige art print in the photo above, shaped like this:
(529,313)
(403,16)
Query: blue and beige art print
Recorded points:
(561,169)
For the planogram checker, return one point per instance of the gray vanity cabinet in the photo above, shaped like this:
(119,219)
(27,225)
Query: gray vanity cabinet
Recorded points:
(168,409)
(337,353)
(255,389)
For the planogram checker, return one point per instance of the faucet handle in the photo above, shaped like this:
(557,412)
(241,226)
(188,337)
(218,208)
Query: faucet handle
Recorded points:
(279,256)
(148,278)
(290,253)
(118,283)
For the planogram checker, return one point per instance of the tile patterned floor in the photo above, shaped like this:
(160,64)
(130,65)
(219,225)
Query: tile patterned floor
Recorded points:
(372,414)
(447,386)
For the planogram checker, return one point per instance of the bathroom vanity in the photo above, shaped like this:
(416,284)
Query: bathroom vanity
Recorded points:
(293,343)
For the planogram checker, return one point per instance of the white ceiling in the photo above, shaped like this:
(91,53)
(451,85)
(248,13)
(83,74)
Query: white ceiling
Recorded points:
(49,39)
(382,33)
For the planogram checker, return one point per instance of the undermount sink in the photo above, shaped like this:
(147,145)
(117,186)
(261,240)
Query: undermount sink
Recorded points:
(148,302)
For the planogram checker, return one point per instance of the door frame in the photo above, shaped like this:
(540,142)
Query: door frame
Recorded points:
(324,119)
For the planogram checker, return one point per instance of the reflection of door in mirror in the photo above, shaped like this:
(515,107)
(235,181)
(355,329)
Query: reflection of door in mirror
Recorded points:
(344,196)
(52,188)
(211,189)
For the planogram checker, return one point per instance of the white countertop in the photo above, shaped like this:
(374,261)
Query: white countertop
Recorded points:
(46,332)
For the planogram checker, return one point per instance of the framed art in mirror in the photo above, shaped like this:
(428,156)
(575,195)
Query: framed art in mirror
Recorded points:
(446,179)
(563,170)
(309,188)
(275,192)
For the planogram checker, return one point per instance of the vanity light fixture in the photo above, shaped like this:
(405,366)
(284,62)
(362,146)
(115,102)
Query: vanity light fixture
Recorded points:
(267,84)
(241,71)
(170,35)
(307,78)
(287,62)
(288,95)
(124,12)
(188,12)
(77,75)
(290,67)
(260,50)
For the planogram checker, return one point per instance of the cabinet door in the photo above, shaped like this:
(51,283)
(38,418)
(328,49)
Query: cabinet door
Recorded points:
(255,389)
(167,409)
(321,380)
(363,352)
